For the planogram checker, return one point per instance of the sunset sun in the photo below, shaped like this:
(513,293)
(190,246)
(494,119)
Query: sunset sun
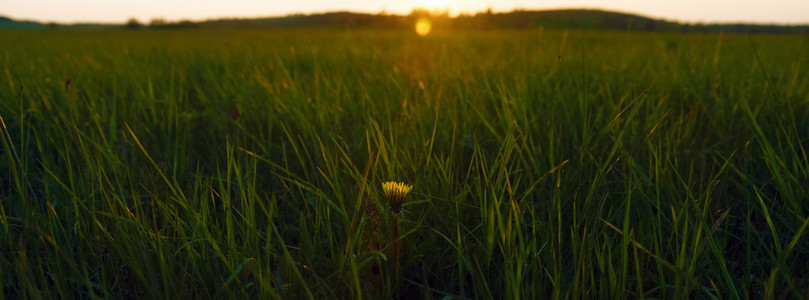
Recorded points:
(423,26)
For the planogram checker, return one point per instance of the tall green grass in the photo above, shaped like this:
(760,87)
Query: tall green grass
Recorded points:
(555,164)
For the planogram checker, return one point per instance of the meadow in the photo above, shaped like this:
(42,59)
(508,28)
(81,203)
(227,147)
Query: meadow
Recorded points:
(545,164)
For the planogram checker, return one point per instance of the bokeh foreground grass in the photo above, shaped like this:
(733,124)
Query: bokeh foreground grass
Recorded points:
(561,164)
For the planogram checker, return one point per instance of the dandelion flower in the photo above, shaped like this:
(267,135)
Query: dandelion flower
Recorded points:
(396,192)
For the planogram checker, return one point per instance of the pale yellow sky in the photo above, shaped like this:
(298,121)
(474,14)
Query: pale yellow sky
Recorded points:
(117,11)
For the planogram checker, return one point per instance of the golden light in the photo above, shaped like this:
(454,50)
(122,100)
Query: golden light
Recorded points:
(423,26)
(433,4)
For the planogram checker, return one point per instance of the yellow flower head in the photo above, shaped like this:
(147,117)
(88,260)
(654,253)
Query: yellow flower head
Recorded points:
(396,192)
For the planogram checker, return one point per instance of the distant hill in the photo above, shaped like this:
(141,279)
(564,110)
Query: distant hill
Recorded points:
(518,19)
(600,19)
(338,19)
(8,23)
(568,18)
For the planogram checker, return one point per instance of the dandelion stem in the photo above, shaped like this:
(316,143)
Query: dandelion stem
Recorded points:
(396,250)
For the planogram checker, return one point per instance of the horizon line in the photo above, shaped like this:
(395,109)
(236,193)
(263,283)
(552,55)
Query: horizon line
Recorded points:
(433,11)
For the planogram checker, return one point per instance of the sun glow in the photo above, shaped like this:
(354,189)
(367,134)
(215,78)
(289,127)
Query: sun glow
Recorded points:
(433,4)
(423,26)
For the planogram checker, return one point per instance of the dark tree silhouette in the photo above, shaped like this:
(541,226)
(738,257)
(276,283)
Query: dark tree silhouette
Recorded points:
(133,23)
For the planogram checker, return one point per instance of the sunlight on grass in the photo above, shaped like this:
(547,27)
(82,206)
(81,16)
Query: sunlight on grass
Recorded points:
(246,164)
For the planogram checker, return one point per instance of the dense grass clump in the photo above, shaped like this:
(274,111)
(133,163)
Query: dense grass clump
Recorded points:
(555,164)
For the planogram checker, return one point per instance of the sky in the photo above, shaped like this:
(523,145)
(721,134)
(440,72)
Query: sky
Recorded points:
(118,11)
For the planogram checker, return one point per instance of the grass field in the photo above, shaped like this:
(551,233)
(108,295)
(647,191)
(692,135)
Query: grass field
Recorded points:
(545,164)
